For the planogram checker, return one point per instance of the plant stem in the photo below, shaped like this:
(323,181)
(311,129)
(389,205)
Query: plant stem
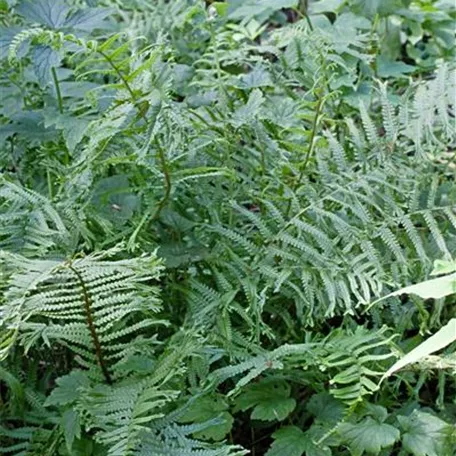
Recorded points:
(301,9)
(49,183)
(57,89)
(121,76)
(90,323)
(168,184)
(161,154)
(312,140)
(310,148)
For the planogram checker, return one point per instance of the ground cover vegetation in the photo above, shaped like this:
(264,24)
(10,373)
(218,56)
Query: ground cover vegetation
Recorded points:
(227,228)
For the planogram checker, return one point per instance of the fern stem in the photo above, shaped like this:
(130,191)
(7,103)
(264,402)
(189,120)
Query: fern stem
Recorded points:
(161,154)
(334,429)
(168,184)
(310,149)
(93,332)
(312,140)
(121,76)
(49,183)
(57,89)
(302,10)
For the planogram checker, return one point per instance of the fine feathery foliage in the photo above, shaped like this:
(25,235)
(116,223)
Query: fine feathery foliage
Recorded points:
(218,226)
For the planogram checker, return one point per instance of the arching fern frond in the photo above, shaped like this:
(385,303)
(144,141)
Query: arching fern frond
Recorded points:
(28,221)
(96,307)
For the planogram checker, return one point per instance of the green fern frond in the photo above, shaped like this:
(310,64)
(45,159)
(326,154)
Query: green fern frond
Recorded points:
(85,303)
(29,222)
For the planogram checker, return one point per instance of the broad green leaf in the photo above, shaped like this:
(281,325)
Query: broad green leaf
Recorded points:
(434,288)
(7,35)
(324,6)
(68,388)
(52,13)
(425,434)
(220,7)
(258,77)
(88,19)
(346,20)
(73,132)
(377,412)
(368,436)
(269,399)
(241,9)
(245,114)
(392,69)
(44,59)
(292,441)
(114,198)
(442,338)
(325,408)
(283,112)
(444,267)
(71,426)
(28,125)
(279,4)
(275,409)
(209,408)
(73,127)
(176,221)
(382,7)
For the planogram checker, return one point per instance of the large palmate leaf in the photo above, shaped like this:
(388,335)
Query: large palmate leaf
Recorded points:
(68,388)
(426,435)
(387,68)
(252,8)
(324,6)
(71,426)
(325,408)
(114,198)
(292,441)
(7,35)
(269,399)
(52,13)
(368,436)
(28,125)
(44,59)
(55,14)
(73,128)
(87,19)
(209,408)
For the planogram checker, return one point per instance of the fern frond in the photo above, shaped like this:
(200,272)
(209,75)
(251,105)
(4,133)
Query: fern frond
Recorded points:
(29,222)
(86,304)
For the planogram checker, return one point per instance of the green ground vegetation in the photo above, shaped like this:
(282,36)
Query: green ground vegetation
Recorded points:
(227,228)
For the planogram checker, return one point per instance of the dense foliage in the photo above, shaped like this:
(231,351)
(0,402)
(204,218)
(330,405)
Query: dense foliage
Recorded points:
(209,213)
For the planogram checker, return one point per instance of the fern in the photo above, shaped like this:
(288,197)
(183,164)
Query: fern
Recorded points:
(29,223)
(201,202)
(349,357)
(85,303)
